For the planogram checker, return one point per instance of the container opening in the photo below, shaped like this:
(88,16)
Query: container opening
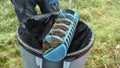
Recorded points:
(81,40)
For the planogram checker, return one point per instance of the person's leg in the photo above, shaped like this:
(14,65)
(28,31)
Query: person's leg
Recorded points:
(24,8)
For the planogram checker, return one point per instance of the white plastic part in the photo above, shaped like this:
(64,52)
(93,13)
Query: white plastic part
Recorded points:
(38,62)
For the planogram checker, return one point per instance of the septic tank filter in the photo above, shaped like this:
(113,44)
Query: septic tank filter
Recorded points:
(60,36)
(33,51)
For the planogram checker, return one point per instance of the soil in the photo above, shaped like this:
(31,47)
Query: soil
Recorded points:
(60,27)
(63,20)
(45,46)
(55,42)
(58,33)
(49,46)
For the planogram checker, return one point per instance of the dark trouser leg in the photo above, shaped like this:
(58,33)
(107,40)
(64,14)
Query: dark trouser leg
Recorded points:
(24,8)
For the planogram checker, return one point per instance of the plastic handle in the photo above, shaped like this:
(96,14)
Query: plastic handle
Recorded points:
(66,64)
(39,62)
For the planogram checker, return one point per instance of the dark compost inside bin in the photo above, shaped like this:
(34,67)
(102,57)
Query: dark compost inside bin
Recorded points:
(80,40)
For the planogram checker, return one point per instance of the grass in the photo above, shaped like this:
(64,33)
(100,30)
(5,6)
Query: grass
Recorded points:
(102,15)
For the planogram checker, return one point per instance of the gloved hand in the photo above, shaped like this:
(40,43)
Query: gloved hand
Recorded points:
(45,7)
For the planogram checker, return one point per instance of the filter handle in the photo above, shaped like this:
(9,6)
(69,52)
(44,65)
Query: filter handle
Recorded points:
(39,62)
(66,64)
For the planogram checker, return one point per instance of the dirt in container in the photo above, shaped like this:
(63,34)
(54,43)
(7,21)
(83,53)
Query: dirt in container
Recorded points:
(50,46)
(45,46)
(58,33)
(55,42)
(63,20)
(60,27)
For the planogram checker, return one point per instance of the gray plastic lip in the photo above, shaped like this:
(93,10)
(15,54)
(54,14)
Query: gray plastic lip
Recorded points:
(39,53)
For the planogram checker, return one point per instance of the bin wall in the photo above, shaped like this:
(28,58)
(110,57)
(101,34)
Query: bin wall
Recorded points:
(78,63)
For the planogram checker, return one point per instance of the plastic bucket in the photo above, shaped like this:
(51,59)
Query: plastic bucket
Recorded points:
(33,56)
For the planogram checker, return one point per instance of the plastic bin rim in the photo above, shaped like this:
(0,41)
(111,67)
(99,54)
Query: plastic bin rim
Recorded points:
(26,46)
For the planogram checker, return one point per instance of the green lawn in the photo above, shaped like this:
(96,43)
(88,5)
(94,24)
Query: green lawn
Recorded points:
(102,15)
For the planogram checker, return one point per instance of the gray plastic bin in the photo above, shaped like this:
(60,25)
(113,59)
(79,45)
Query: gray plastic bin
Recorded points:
(33,57)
